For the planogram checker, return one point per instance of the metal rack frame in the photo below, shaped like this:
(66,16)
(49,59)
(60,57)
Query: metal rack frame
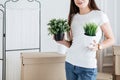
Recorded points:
(4,36)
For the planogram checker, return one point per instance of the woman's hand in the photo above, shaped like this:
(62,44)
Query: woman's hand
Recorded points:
(93,46)
(63,42)
(60,42)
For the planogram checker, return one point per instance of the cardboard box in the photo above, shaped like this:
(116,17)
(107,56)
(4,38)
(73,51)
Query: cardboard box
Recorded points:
(117,65)
(117,77)
(43,66)
(116,52)
(104,76)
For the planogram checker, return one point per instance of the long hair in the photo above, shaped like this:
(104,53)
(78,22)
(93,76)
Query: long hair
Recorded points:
(74,9)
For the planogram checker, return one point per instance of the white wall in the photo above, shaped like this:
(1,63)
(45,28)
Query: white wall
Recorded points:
(1,17)
(117,21)
(112,11)
(50,9)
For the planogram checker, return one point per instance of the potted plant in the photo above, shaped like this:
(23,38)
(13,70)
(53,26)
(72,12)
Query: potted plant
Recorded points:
(90,30)
(58,27)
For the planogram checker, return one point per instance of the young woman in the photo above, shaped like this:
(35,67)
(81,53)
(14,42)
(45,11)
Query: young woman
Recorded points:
(81,61)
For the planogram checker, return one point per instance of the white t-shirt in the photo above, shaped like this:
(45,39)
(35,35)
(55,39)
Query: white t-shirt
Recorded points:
(78,54)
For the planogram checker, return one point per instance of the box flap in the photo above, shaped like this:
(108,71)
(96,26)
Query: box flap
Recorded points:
(42,57)
(116,50)
(41,54)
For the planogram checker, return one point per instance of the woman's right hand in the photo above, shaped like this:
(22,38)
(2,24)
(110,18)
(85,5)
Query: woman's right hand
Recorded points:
(60,42)
(63,42)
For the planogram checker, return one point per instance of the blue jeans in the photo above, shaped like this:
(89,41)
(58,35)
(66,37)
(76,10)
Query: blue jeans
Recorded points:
(79,73)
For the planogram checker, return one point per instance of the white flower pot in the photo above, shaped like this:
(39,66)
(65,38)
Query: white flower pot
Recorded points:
(88,40)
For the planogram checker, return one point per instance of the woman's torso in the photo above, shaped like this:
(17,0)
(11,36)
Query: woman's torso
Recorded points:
(78,54)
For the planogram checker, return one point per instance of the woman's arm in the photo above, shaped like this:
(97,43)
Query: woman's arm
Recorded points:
(65,42)
(109,38)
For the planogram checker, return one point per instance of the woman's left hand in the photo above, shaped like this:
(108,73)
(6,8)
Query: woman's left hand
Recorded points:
(93,46)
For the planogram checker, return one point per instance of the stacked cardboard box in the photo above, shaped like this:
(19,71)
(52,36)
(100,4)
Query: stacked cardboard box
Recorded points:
(116,52)
(101,75)
(42,66)
(104,76)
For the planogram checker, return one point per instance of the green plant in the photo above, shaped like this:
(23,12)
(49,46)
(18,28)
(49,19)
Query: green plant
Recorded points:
(90,29)
(58,26)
